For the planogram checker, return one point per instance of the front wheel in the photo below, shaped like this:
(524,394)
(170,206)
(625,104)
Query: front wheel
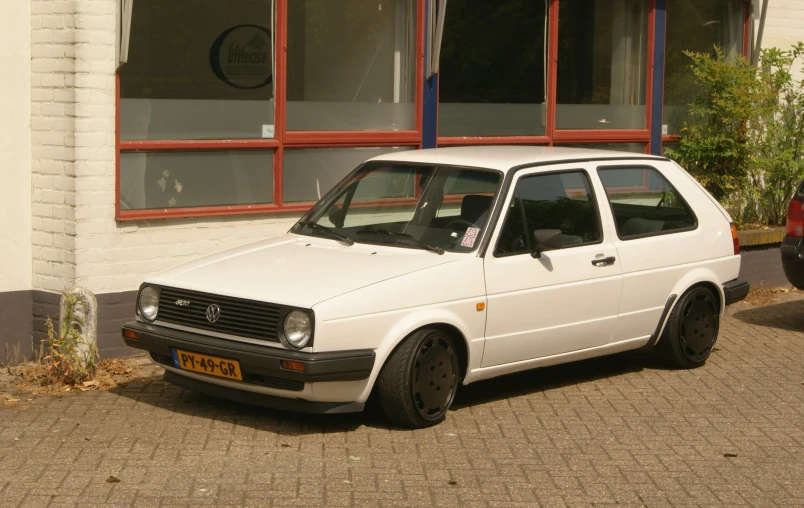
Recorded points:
(418,382)
(691,330)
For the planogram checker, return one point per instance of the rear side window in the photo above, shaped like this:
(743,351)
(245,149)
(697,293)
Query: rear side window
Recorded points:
(644,203)
(554,201)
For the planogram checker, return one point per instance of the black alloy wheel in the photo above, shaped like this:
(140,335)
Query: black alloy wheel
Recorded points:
(418,383)
(691,330)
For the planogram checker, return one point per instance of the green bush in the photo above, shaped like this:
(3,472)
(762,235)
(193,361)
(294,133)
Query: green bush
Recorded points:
(745,138)
(714,146)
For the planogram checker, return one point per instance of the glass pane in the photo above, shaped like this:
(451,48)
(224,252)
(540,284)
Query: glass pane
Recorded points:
(151,180)
(309,173)
(602,64)
(490,84)
(351,65)
(198,70)
(697,26)
(560,201)
(644,203)
(400,205)
(620,147)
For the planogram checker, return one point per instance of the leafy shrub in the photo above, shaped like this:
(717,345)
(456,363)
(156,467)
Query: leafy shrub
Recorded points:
(715,147)
(745,140)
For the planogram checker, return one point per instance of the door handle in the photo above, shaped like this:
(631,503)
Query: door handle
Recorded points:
(604,261)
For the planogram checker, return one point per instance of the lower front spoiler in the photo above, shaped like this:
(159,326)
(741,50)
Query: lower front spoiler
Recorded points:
(260,399)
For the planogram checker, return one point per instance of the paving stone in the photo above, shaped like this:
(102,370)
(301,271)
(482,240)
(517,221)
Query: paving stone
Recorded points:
(615,431)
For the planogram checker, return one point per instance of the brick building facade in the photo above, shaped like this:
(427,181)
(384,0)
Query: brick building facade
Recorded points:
(67,222)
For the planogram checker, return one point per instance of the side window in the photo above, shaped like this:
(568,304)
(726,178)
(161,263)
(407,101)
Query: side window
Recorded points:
(644,203)
(556,201)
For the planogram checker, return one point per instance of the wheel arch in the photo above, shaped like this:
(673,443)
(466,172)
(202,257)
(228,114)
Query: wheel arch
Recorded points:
(697,278)
(446,322)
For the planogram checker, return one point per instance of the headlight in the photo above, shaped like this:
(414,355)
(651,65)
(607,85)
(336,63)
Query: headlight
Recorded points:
(149,303)
(298,328)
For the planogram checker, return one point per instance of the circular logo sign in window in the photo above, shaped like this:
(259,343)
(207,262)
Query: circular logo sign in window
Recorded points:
(241,57)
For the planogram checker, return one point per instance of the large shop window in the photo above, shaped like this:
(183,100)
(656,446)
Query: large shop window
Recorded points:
(351,65)
(693,25)
(602,64)
(492,79)
(198,70)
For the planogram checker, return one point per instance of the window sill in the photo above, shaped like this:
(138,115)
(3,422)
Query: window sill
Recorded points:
(210,211)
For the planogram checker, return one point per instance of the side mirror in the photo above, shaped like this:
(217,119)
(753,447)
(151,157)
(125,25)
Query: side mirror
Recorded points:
(546,239)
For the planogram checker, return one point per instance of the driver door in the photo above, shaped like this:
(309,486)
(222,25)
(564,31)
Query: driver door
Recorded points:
(565,300)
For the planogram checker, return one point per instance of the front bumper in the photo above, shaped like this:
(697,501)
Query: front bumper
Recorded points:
(260,366)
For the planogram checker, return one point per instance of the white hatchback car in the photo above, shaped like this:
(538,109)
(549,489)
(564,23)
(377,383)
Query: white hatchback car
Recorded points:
(427,269)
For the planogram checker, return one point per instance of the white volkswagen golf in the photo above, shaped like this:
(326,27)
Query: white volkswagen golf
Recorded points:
(424,270)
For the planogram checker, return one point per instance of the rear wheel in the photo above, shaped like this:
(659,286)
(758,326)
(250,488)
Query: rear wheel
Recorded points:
(691,330)
(418,382)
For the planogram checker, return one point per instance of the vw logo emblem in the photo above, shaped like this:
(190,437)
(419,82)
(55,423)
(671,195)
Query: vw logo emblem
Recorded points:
(213,313)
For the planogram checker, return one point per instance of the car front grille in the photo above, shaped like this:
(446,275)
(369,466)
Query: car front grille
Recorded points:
(244,318)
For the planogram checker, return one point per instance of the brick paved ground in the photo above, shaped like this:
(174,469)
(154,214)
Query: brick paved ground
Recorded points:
(613,431)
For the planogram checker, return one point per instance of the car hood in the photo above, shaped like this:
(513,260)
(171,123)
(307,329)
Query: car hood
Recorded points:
(298,271)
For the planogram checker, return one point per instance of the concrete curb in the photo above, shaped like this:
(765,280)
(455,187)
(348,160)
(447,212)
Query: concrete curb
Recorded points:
(752,237)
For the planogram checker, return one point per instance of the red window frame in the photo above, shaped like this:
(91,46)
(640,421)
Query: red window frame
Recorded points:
(285,139)
(282,139)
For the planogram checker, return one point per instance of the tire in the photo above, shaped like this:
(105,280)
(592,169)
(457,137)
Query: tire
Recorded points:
(418,382)
(691,330)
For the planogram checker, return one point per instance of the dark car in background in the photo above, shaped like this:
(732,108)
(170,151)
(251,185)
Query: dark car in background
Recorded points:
(793,244)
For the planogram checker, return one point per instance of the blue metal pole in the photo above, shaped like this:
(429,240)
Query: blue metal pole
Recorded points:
(657,105)
(430,102)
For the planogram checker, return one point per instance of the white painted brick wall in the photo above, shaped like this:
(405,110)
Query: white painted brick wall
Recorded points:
(784,26)
(52,143)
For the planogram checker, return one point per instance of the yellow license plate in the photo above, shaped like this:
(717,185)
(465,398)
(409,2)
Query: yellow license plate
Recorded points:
(212,365)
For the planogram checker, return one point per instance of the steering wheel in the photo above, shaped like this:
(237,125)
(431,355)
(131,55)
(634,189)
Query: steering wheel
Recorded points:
(459,222)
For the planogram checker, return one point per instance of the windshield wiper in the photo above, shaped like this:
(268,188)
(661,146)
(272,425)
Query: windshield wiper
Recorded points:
(327,231)
(404,239)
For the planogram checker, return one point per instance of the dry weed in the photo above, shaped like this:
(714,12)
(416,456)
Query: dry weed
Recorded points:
(33,377)
(762,296)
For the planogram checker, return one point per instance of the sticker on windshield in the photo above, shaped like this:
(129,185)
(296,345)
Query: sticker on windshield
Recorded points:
(468,241)
(472,232)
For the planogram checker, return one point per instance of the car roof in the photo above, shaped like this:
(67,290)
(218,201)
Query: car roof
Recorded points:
(504,158)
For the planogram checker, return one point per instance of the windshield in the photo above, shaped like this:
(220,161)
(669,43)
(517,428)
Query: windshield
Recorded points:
(430,207)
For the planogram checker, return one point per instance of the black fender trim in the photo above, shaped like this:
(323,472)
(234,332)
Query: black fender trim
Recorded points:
(656,334)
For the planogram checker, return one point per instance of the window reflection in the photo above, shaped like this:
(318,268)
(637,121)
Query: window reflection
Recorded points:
(696,26)
(351,65)
(159,180)
(198,70)
(492,79)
